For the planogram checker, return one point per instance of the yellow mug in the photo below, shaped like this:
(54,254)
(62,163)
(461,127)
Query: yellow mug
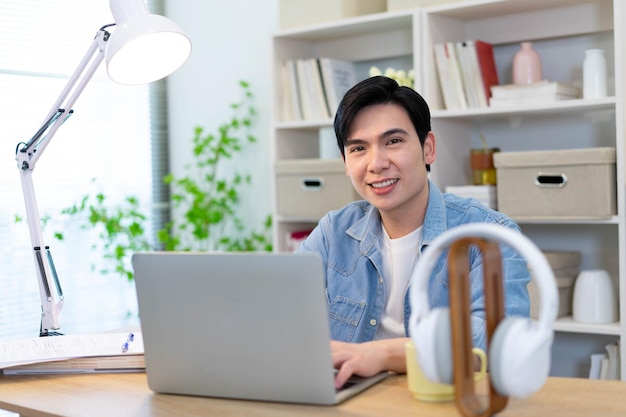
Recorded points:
(425,390)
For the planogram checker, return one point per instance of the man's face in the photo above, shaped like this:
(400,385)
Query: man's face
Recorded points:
(386,162)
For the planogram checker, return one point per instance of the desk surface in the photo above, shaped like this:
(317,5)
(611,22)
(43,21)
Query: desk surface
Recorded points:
(128,395)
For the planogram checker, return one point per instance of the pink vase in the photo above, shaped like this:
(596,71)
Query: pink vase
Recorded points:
(526,65)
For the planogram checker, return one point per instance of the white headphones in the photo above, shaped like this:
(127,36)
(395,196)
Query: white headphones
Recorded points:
(519,351)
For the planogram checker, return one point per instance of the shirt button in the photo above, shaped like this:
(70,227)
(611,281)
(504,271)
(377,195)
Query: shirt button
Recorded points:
(373,322)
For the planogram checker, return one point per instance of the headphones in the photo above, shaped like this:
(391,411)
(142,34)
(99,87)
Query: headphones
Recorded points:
(519,349)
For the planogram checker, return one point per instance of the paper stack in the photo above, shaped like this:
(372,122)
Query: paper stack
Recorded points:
(486,194)
(535,93)
(103,352)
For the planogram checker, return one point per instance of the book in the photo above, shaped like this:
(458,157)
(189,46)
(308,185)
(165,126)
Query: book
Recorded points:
(449,76)
(536,99)
(613,361)
(103,352)
(305,90)
(472,84)
(487,67)
(338,77)
(455,71)
(320,108)
(293,90)
(286,110)
(596,365)
(541,88)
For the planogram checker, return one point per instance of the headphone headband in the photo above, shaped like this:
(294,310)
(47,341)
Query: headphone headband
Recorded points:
(546,283)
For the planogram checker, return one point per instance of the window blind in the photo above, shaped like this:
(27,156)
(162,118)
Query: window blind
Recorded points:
(105,146)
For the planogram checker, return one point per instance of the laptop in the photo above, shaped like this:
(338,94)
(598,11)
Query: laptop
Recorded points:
(248,326)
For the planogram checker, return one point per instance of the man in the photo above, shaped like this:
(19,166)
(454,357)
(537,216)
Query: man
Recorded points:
(369,247)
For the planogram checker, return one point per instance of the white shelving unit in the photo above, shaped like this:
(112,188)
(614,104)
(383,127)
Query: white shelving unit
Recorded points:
(561,30)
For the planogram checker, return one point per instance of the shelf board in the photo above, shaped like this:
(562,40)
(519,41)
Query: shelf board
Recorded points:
(353,26)
(609,221)
(304,125)
(563,106)
(568,325)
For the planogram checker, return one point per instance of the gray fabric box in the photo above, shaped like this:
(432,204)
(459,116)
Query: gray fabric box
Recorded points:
(569,183)
(309,188)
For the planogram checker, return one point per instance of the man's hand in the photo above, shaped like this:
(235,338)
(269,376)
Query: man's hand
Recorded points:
(367,359)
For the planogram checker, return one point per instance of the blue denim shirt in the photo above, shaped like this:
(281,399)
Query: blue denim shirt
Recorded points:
(350,244)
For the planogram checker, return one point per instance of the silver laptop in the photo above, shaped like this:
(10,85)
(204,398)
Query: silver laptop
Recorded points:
(238,325)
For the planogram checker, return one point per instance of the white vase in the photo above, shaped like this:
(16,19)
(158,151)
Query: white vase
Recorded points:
(594,74)
(594,299)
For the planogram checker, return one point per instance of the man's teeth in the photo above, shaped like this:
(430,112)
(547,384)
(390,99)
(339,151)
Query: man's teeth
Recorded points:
(383,183)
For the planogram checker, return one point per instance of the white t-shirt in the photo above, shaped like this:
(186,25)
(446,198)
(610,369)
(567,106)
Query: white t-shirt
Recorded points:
(399,256)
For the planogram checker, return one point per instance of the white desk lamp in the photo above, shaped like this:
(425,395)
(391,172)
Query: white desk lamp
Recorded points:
(143,48)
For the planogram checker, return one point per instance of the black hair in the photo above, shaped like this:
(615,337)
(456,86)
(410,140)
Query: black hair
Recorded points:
(380,90)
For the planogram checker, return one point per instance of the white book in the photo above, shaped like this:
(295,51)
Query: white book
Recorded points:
(476,76)
(442,64)
(338,77)
(449,77)
(455,70)
(294,90)
(510,91)
(320,108)
(306,94)
(596,365)
(286,95)
(467,75)
(613,366)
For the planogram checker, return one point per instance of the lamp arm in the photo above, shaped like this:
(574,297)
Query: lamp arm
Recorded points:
(27,155)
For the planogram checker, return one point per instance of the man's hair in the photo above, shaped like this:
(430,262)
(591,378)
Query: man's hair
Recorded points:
(380,90)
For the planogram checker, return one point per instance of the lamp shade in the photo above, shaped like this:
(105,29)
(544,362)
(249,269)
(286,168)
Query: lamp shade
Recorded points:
(144,47)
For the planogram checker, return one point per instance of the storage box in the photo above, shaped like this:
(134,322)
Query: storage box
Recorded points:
(565,266)
(303,12)
(312,187)
(569,183)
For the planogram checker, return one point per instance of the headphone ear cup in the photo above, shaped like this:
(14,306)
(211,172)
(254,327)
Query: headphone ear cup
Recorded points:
(519,357)
(434,346)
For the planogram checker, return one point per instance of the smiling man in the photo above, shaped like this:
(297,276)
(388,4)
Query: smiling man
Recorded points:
(369,247)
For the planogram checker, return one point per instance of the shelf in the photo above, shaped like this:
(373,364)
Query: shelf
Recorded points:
(609,221)
(312,125)
(568,325)
(356,26)
(559,107)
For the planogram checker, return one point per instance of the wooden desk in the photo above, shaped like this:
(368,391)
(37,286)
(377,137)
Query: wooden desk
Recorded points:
(123,395)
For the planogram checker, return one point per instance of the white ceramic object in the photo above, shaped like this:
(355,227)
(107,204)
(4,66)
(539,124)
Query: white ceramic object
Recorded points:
(594,74)
(594,297)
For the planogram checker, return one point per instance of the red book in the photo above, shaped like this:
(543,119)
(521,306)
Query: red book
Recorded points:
(486,65)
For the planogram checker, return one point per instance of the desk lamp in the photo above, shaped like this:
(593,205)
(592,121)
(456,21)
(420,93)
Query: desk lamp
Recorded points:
(143,48)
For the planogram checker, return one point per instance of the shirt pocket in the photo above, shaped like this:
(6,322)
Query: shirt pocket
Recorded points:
(345,315)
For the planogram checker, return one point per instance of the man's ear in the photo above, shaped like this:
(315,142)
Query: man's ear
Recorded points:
(429,148)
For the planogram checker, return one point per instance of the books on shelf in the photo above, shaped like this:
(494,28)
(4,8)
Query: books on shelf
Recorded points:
(339,76)
(450,76)
(606,365)
(466,71)
(312,88)
(540,92)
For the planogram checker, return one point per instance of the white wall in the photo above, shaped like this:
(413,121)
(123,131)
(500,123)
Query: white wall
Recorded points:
(231,41)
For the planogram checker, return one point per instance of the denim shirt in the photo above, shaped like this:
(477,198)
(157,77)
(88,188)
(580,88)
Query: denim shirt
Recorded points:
(349,241)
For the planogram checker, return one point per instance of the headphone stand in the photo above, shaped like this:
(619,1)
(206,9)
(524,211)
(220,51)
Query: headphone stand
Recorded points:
(467,401)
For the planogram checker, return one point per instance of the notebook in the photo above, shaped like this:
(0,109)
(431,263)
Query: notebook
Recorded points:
(249,326)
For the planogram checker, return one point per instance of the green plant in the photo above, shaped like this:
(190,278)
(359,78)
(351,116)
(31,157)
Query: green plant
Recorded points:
(208,195)
(208,198)
(120,228)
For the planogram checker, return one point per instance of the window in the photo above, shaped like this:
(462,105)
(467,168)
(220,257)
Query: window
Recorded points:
(104,146)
